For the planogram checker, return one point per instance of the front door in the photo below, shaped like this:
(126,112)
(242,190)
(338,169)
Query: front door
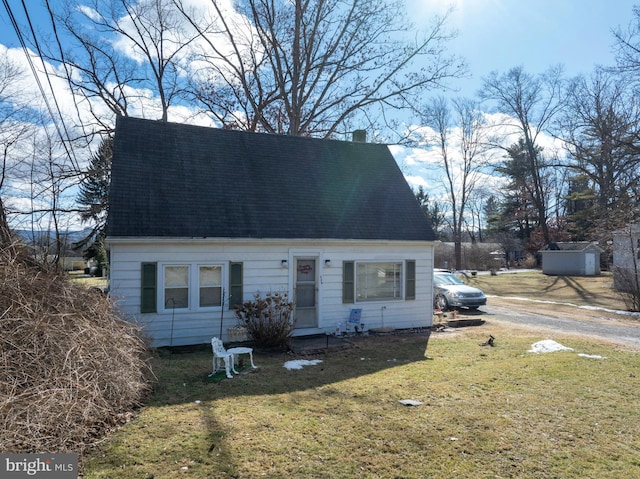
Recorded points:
(306,289)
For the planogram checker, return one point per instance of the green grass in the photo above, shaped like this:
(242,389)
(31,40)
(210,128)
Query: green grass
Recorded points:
(486,413)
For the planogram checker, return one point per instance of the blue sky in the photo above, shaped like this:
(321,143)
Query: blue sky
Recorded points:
(493,34)
(537,34)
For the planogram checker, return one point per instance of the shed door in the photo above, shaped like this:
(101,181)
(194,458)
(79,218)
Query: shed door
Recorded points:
(306,288)
(590,264)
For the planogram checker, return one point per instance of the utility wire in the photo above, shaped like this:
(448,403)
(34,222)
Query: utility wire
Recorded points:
(66,67)
(21,39)
(70,152)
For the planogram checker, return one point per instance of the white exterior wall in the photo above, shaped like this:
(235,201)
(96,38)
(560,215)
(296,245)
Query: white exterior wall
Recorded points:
(263,272)
(626,257)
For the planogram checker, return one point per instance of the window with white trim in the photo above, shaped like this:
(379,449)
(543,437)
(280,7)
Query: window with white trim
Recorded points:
(210,284)
(378,281)
(192,286)
(176,287)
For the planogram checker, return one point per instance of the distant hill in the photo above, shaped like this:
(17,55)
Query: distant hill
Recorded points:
(39,237)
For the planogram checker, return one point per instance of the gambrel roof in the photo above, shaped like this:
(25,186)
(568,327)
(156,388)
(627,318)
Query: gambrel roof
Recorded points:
(176,180)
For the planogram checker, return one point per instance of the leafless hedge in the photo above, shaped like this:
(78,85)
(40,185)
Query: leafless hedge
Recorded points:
(268,319)
(70,368)
(627,283)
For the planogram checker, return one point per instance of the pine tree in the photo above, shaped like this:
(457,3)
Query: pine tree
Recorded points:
(94,200)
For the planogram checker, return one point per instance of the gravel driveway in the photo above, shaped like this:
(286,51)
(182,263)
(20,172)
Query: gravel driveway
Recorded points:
(610,326)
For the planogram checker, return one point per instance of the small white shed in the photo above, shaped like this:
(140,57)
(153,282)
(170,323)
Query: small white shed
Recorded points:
(579,258)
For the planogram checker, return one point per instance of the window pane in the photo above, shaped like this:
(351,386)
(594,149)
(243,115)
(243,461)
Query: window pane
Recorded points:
(175,298)
(306,295)
(379,281)
(210,276)
(176,276)
(176,287)
(210,297)
(306,270)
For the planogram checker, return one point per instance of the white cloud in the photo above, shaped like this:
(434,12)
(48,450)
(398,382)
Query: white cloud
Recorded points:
(89,12)
(416,181)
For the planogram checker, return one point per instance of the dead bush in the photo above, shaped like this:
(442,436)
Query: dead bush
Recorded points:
(70,367)
(268,320)
(627,284)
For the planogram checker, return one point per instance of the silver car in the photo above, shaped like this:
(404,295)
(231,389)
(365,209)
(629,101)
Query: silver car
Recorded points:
(451,293)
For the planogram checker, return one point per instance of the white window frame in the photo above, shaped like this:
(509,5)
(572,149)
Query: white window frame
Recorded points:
(165,306)
(193,286)
(361,295)
(200,286)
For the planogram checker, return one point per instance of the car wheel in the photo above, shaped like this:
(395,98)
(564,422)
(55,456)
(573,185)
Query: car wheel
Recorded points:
(441,303)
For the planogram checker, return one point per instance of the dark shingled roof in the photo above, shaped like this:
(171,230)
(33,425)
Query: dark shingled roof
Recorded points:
(175,180)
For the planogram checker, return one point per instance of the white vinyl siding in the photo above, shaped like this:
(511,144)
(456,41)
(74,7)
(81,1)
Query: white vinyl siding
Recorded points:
(262,271)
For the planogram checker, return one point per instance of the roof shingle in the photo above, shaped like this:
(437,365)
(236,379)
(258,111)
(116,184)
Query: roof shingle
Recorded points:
(175,180)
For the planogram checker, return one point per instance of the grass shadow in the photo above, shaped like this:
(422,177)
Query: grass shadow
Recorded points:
(183,376)
(186,409)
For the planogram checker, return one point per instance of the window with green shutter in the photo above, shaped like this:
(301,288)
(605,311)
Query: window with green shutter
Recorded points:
(149,277)
(410,280)
(348,282)
(235,284)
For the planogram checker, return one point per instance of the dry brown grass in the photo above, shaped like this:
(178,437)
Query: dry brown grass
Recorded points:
(580,290)
(486,412)
(70,368)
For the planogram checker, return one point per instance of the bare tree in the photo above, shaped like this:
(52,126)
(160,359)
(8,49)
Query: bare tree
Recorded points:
(52,178)
(627,45)
(307,67)
(121,50)
(601,128)
(13,129)
(459,135)
(533,102)
(626,264)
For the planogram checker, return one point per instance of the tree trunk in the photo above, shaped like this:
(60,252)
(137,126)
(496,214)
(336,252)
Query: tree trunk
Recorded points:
(458,252)
(5,232)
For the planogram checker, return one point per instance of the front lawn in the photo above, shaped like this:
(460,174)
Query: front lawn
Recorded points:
(486,412)
(580,290)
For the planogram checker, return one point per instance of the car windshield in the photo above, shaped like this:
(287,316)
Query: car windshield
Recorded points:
(446,278)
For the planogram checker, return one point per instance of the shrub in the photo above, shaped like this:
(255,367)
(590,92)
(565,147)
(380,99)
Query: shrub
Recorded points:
(268,319)
(70,367)
(627,283)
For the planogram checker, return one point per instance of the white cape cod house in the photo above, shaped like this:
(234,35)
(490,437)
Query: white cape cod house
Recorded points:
(201,219)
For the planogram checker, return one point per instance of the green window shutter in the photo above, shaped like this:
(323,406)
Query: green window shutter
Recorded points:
(235,284)
(410,280)
(348,283)
(148,301)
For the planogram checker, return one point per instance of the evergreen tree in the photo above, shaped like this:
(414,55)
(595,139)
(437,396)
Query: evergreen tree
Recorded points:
(94,200)
(431,208)
(581,208)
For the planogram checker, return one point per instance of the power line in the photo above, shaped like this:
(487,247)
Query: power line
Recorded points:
(70,154)
(66,67)
(16,27)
